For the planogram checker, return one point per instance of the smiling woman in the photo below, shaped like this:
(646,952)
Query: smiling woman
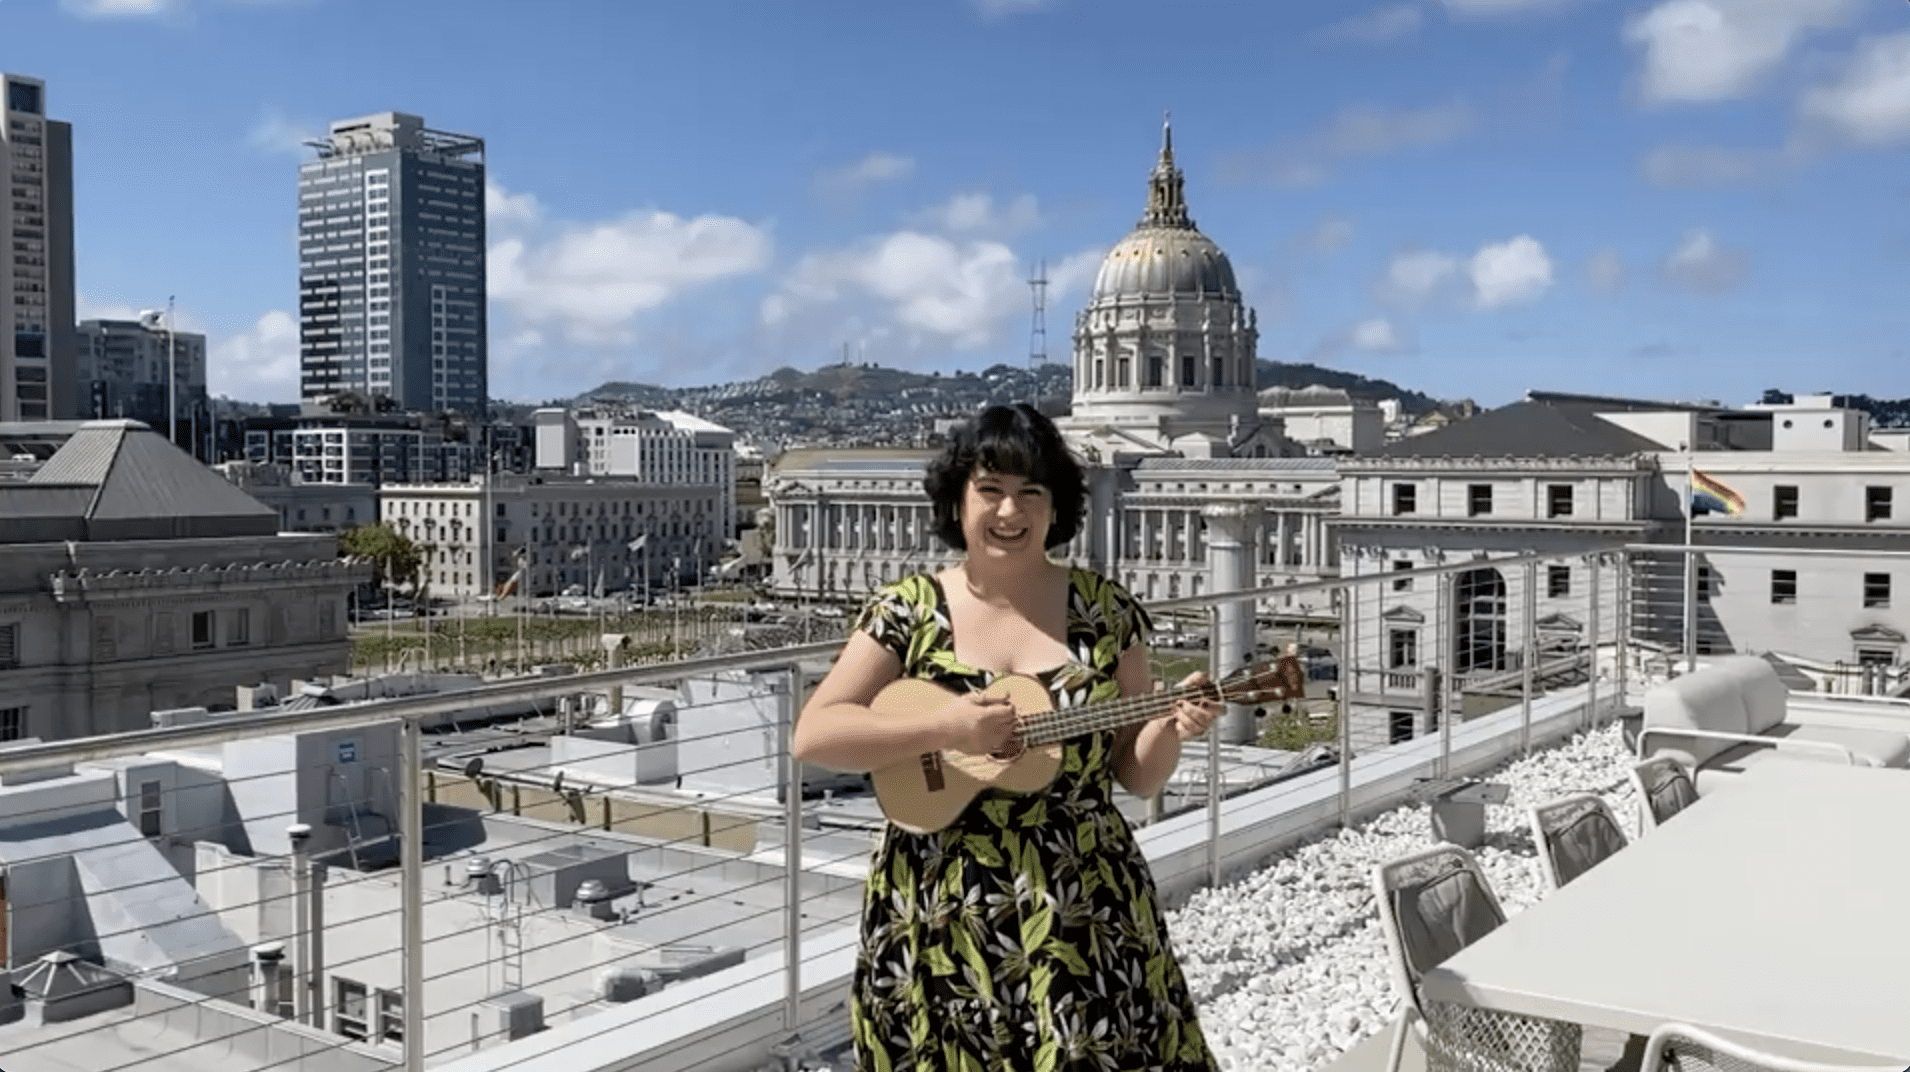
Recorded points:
(1025,931)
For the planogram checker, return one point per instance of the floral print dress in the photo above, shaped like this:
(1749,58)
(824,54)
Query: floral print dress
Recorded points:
(1026,936)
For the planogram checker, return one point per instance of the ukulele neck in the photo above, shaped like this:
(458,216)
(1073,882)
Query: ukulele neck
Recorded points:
(1062,723)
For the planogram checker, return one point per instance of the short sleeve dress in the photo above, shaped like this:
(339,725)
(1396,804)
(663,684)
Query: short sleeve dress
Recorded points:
(1027,935)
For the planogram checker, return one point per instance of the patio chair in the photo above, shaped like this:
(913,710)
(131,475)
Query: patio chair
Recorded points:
(1664,789)
(1573,834)
(1432,904)
(1681,1048)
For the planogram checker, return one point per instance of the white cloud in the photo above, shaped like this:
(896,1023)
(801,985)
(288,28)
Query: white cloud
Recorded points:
(980,212)
(1388,23)
(118,9)
(1496,274)
(1705,165)
(259,364)
(931,290)
(1330,235)
(1376,336)
(877,167)
(1701,265)
(1870,103)
(1605,271)
(1002,8)
(589,282)
(1710,50)
(503,209)
(1415,278)
(277,133)
(1516,270)
(1355,131)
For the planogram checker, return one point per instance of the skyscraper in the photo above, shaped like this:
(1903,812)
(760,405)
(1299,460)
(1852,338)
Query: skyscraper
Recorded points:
(391,266)
(36,274)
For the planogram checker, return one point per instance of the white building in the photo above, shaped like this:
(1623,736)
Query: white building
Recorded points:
(562,531)
(1570,474)
(1327,420)
(668,448)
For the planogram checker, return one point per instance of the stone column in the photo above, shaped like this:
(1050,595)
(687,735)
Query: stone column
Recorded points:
(1229,562)
(1282,557)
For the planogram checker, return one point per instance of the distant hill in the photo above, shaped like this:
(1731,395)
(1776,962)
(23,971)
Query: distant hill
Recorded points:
(958,390)
(1283,374)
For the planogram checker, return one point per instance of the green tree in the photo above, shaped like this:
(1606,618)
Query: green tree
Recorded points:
(392,553)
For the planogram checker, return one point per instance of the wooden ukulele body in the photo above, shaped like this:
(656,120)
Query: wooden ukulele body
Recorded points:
(930,792)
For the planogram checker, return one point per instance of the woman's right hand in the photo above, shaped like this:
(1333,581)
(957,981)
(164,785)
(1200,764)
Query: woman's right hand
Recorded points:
(977,724)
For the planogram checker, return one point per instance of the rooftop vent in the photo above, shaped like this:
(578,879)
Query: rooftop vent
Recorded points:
(68,988)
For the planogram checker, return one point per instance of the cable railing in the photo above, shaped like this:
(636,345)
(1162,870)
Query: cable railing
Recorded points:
(371,886)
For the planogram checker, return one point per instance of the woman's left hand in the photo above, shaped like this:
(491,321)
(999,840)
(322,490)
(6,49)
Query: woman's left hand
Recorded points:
(1190,718)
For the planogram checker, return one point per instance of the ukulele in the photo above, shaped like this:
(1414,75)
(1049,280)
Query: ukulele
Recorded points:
(928,793)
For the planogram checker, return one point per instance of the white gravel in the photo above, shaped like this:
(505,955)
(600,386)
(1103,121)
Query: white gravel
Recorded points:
(1288,964)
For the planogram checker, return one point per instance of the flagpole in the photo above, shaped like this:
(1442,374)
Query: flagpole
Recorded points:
(1691,576)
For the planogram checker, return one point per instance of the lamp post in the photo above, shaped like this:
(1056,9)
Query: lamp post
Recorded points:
(150,320)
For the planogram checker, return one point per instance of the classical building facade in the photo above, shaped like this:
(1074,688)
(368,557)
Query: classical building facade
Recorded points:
(1576,476)
(133,579)
(552,532)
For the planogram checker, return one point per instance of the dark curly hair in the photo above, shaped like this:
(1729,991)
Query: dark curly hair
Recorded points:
(1014,441)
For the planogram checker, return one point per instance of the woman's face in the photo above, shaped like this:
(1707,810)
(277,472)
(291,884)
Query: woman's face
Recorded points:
(1005,516)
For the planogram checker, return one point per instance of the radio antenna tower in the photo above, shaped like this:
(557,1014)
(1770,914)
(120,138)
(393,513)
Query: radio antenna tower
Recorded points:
(1038,332)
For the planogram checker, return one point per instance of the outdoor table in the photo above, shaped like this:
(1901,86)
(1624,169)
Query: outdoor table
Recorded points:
(1772,911)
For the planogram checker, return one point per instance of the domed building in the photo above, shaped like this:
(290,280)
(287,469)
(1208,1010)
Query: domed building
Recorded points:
(1164,351)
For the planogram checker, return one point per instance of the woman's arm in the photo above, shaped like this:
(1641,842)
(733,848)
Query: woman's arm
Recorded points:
(837,730)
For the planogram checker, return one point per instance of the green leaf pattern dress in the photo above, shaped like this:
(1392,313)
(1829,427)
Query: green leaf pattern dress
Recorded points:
(1027,936)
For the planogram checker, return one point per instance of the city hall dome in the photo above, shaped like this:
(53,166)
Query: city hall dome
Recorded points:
(1165,347)
(1166,254)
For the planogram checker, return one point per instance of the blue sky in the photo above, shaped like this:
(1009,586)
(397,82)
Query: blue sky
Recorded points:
(1683,198)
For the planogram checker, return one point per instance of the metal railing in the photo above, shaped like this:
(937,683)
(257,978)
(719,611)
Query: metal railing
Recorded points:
(699,826)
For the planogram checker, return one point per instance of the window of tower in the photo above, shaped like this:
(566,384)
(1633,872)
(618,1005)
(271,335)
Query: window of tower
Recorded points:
(1187,370)
(1220,372)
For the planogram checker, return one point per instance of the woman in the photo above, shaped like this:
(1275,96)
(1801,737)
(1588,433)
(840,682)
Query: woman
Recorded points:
(1027,934)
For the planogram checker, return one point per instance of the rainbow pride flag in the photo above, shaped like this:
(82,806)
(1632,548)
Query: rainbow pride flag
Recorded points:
(1710,495)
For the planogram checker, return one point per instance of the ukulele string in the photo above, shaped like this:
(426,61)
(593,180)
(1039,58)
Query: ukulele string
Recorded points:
(1066,722)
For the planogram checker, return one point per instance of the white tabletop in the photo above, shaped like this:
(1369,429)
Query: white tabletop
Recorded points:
(1775,910)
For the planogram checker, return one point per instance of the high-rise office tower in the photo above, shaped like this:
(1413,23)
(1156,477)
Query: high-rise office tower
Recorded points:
(36,259)
(391,266)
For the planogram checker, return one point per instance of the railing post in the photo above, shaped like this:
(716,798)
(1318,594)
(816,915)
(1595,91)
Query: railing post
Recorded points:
(1591,641)
(1622,607)
(1443,634)
(792,857)
(1348,608)
(1691,610)
(1216,671)
(1528,628)
(411,860)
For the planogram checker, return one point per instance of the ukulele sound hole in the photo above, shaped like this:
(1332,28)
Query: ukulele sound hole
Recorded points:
(1012,750)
